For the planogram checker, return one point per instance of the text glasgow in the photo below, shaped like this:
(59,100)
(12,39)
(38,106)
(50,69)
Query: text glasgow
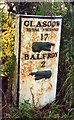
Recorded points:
(42,23)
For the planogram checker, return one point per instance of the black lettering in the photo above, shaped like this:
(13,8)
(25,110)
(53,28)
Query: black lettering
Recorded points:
(49,23)
(38,24)
(44,55)
(32,57)
(55,54)
(31,24)
(44,23)
(58,23)
(26,23)
(53,24)
(48,55)
(38,56)
(43,64)
(52,55)
(26,56)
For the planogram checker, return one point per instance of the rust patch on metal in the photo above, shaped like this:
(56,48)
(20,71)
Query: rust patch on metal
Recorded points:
(38,90)
(31,90)
(39,95)
(23,81)
(49,87)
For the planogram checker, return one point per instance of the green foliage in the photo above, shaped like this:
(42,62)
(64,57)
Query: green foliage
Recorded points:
(52,9)
(66,63)
(7,39)
(44,8)
(66,59)
(64,107)
(59,9)
(27,111)
(8,66)
(8,34)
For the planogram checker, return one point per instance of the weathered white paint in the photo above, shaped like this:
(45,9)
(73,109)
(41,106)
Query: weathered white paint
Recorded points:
(43,91)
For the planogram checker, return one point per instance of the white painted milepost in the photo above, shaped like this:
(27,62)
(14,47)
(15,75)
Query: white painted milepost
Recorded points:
(37,53)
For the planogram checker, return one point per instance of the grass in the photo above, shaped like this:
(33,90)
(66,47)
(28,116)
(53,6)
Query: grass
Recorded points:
(51,111)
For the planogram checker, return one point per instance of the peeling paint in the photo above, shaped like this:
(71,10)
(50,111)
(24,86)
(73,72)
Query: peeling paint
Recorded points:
(31,90)
(43,90)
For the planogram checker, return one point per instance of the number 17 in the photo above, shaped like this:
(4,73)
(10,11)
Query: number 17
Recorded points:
(44,37)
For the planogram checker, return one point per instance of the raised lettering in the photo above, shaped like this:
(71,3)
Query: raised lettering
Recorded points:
(26,23)
(26,56)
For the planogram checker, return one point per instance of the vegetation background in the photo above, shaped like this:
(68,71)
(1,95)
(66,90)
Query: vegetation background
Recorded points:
(63,106)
